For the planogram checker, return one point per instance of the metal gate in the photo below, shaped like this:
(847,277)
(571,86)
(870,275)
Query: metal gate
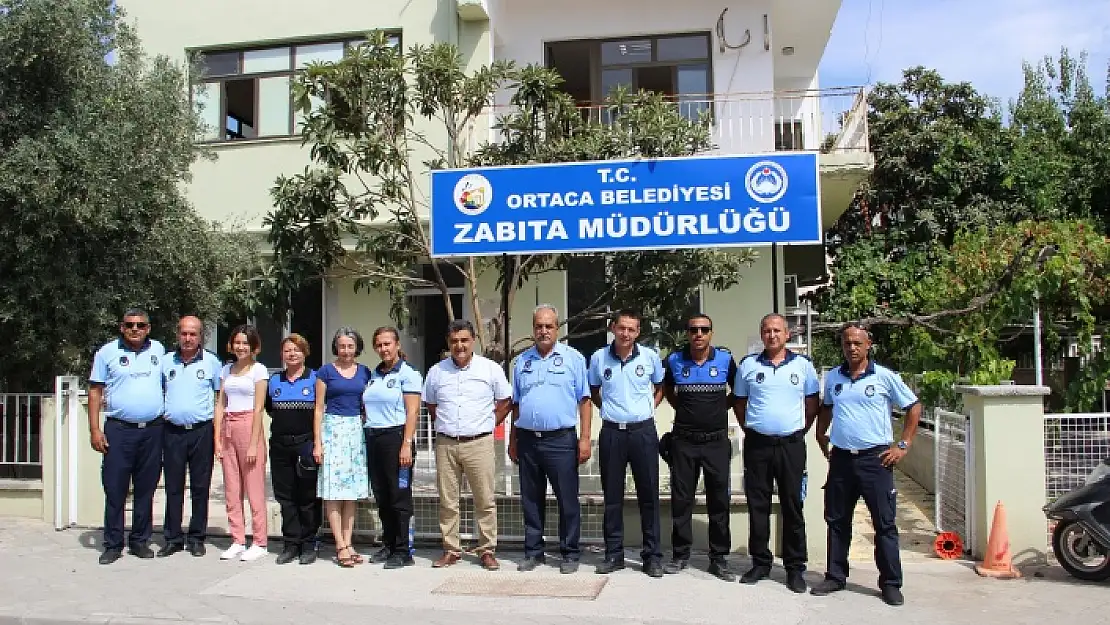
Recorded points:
(954,476)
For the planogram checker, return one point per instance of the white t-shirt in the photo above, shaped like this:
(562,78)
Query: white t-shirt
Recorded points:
(239,389)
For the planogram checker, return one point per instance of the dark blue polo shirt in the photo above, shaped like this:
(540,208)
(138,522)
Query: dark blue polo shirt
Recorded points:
(701,391)
(291,404)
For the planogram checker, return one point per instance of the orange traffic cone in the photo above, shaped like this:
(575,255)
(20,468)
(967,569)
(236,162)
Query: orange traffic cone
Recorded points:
(998,563)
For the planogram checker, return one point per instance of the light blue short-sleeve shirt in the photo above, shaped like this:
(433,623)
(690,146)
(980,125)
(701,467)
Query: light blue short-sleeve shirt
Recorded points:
(549,389)
(627,386)
(776,394)
(384,397)
(862,407)
(191,387)
(132,380)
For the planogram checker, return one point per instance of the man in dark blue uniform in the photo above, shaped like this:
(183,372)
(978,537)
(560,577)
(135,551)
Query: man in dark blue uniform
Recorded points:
(696,384)
(127,378)
(858,399)
(626,383)
(777,397)
(191,377)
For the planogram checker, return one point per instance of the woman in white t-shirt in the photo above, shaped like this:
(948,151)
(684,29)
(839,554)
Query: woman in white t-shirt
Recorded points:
(239,443)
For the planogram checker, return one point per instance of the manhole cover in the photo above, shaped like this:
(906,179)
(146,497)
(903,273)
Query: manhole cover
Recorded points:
(563,587)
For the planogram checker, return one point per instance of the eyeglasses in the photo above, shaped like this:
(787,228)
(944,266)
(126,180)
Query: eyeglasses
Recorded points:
(699,329)
(142,325)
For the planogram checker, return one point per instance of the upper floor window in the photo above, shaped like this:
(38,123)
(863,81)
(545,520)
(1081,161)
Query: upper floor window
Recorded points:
(245,93)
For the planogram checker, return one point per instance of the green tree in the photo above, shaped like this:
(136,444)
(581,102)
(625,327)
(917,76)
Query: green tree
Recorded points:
(92,159)
(371,112)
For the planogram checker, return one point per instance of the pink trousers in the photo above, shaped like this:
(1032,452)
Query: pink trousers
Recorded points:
(241,474)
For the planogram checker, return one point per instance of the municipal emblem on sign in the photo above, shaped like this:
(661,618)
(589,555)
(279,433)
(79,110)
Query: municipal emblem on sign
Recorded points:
(123,360)
(608,373)
(837,389)
(766,182)
(869,391)
(759,377)
(173,374)
(557,361)
(713,371)
(473,194)
(794,379)
(640,371)
(391,383)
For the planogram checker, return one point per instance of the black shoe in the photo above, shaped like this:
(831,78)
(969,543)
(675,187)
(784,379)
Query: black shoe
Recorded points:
(653,569)
(609,566)
(170,549)
(308,556)
(720,570)
(795,582)
(566,567)
(530,563)
(197,549)
(675,566)
(827,587)
(755,574)
(110,556)
(143,552)
(399,560)
(288,554)
(381,555)
(892,595)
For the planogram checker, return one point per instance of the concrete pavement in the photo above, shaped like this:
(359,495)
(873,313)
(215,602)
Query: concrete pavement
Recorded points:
(53,577)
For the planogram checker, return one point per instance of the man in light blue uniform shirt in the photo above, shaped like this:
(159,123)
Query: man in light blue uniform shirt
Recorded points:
(550,397)
(191,376)
(626,383)
(776,403)
(127,377)
(858,399)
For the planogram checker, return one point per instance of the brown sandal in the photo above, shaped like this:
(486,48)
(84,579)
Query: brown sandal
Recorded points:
(355,556)
(345,562)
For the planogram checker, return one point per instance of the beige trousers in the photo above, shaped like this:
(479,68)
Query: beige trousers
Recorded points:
(476,460)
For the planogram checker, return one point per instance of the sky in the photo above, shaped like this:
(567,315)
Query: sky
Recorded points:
(981,41)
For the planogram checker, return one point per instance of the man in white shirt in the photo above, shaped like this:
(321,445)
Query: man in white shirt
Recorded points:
(467,397)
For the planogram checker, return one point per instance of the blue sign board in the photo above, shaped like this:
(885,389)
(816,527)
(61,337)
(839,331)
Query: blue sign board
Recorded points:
(608,206)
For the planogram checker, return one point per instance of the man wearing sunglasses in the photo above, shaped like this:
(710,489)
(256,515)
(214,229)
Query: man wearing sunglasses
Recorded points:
(696,383)
(126,380)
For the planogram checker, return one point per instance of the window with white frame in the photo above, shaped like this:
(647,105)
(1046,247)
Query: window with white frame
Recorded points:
(245,93)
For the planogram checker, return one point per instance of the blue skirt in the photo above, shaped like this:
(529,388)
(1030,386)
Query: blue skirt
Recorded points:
(343,473)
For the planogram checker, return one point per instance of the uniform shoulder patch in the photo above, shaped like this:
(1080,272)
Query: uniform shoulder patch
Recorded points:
(746,357)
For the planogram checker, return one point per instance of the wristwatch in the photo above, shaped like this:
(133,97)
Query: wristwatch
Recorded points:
(903,445)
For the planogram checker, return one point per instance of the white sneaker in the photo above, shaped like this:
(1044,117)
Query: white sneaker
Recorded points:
(234,551)
(254,553)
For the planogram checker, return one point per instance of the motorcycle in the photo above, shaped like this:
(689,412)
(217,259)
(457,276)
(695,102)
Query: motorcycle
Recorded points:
(1081,540)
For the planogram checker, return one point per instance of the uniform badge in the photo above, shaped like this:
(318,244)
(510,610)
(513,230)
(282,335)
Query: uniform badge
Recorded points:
(608,373)
(686,372)
(794,379)
(557,361)
(837,389)
(123,360)
(713,372)
(391,383)
(528,365)
(869,391)
(153,359)
(200,374)
(305,391)
(640,371)
(759,377)
(277,392)
(173,374)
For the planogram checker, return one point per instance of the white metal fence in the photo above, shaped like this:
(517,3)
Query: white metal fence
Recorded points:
(954,473)
(21,435)
(1074,444)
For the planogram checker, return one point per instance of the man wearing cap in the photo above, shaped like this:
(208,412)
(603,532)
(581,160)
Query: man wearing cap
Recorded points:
(626,383)
(191,376)
(126,379)
(858,398)
(777,397)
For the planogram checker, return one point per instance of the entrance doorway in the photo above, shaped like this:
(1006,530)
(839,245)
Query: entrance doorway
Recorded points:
(428,321)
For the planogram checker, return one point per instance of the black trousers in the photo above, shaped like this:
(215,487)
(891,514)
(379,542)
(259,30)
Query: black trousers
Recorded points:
(852,476)
(689,458)
(637,446)
(770,461)
(295,490)
(383,448)
(133,462)
(553,456)
(191,450)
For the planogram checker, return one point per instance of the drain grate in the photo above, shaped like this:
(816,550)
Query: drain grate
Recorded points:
(561,586)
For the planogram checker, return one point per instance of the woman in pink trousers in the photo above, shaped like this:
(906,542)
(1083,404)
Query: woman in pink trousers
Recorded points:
(239,443)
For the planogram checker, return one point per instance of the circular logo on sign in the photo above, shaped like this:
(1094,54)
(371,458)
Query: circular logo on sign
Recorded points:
(686,372)
(124,361)
(153,359)
(759,377)
(608,373)
(869,391)
(766,182)
(640,371)
(837,389)
(794,379)
(391,384)
(557,361)
(200,374)
(277,392)
(173,374)
(473,194)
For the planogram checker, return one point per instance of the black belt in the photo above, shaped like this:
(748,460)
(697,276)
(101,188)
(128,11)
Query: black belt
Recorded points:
(613,425)
(290,440)
(192,426)
(393,429)
(691,436)
(547,433)
(877,449)
(772,439)
(139,426)
(464,439)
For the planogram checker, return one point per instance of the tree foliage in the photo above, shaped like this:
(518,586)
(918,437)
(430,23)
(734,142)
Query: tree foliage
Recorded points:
(379,119)
(92,157)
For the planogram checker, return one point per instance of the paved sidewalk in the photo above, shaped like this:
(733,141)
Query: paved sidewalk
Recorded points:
(53,577)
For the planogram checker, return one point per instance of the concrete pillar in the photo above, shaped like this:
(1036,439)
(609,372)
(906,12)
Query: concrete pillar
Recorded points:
(1007,464)
(814,505)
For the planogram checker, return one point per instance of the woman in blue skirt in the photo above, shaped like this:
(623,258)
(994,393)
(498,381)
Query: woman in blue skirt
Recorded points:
(340,448)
